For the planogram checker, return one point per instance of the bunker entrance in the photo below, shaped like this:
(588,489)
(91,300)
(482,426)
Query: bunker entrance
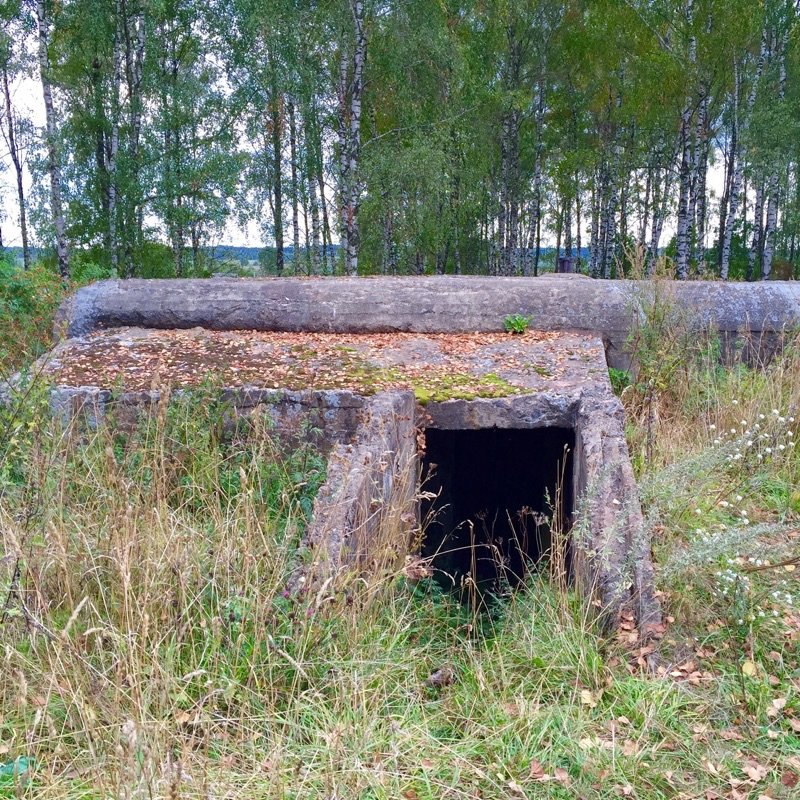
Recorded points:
(493,500)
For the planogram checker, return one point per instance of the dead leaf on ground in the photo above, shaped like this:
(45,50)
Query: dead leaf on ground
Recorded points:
(755,771)
(790,779)
(589,698)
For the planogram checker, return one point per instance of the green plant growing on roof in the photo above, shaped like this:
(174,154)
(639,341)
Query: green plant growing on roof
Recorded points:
(517,323)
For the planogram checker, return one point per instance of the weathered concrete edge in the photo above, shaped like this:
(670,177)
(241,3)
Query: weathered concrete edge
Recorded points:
(317,416)
(611,541)
(365,510)
(427,305)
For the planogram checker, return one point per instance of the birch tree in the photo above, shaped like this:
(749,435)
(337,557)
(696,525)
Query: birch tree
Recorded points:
(14,128)
(43,24)
(352,62)
(740,123)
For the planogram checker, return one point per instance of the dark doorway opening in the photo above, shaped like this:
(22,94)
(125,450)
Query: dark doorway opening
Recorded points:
(490,497)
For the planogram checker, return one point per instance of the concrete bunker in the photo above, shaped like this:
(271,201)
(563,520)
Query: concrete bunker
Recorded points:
(555,379)
(490,500)
(488,397)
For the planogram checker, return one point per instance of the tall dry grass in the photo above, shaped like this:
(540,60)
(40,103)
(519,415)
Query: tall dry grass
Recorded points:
(150,647)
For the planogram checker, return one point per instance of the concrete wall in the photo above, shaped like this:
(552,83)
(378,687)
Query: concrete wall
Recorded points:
(323,418)
(429,304)
(366,509)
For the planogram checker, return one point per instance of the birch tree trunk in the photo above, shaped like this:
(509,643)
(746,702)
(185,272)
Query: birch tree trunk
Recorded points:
(295,186)
(701,184)
(724,202)
(770,227)
(682,235)
(316,191)
(536,209)
(13,149)
(327,242)
(594,236)
(608,224)
(277,178)
(51,128)
(774,180)
(134,34)
(559,226)
(351,89)
(389,261)
(645,215)
(661,197)
(738,171)
(658,221)
(509,149)
(577,224)
(758,229)
(113,148)
(314,208)
(685,207)
(602,221)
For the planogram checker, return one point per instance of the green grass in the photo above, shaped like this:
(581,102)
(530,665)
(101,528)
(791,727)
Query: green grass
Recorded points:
(151,648)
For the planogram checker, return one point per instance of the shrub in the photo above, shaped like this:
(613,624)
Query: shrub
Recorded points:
(28,301)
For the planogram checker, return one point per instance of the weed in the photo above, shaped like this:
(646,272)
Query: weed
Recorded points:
(620,380)
(517,323)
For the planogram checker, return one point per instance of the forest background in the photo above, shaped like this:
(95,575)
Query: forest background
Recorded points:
(402,136)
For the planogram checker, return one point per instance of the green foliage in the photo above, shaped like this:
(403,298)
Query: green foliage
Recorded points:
(84,272)
(620,379)
(517,323)
(28,301)
(468,122)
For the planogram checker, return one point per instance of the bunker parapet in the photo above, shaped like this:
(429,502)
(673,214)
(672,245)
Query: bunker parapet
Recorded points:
(753,315)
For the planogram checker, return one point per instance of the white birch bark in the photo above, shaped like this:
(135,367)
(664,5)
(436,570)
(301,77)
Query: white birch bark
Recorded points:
(594,234)
(701,178)
(51,134)
(682,234)
(738,172)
